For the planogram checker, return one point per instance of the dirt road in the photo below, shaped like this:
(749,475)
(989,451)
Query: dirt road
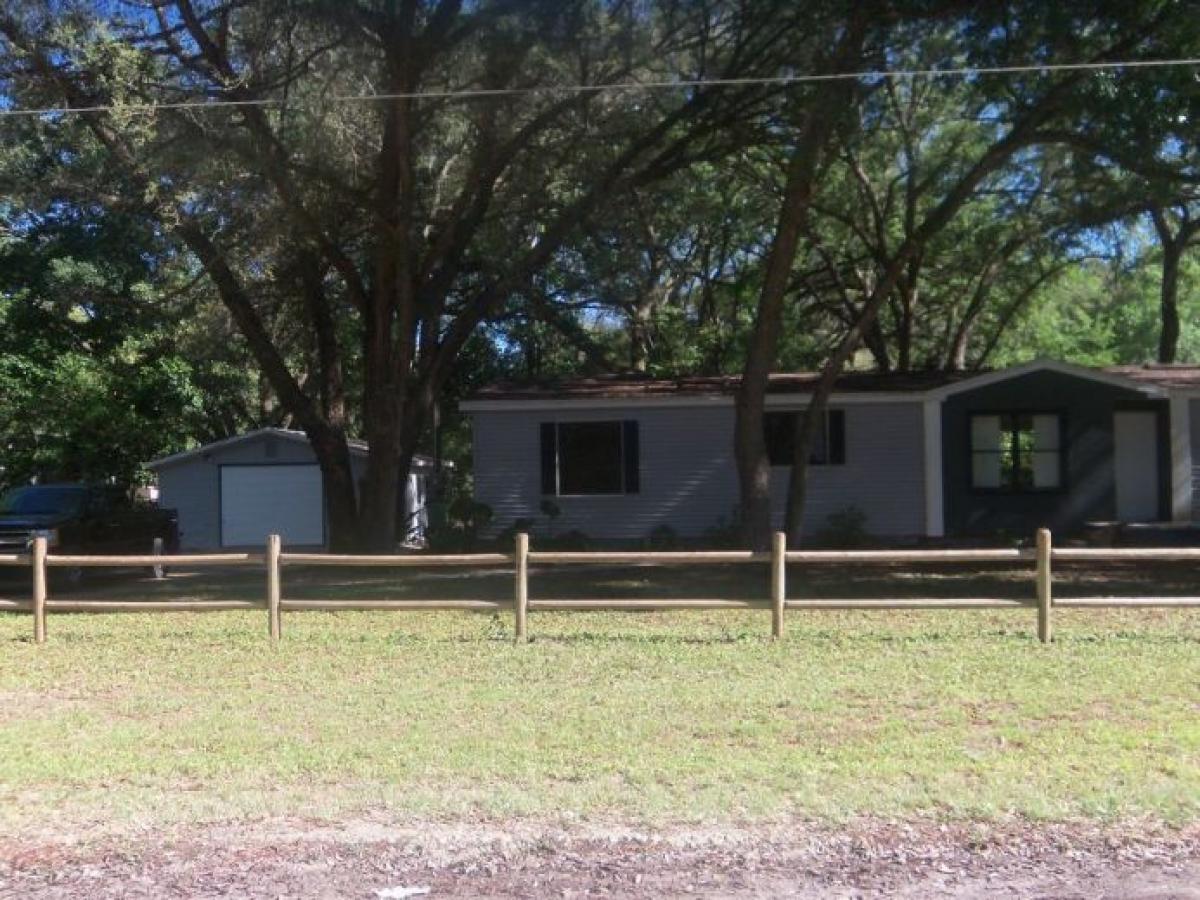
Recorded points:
(374,860)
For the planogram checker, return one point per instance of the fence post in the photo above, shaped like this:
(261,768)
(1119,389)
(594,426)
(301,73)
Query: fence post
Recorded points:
(38,560)
(778,582)
(273,587)
(1045,628)
(521,588)
(159,571)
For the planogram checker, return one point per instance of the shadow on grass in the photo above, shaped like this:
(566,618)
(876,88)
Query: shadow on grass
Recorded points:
(617,636)
(628,582)
(894,628)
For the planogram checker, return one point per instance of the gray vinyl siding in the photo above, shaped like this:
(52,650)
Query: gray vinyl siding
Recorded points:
(687,473)
(191,486)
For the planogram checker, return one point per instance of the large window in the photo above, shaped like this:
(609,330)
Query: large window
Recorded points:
(1016,452)
(589,458)
(829,443)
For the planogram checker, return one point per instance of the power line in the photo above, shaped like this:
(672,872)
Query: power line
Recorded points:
(631,86)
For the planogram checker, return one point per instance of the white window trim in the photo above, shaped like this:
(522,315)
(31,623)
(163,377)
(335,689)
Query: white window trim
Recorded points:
(1060,451)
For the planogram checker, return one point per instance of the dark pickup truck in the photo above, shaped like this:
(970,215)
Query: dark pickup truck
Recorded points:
(84,519)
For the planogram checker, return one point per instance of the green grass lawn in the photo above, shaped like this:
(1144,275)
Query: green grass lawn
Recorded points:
(646,717)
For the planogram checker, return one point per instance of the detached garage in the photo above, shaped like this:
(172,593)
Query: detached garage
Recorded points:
(235,492)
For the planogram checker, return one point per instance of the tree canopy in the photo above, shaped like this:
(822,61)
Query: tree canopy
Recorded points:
(340,216)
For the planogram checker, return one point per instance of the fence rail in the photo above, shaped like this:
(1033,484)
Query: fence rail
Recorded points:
(392,562)
(902,556)
(274,561)
(633,557)
(151,560)
(1162,554)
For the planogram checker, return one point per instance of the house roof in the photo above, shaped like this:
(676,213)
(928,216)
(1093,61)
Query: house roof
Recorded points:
(610,387)
(1173,376)
(357,448)
(1146,378)
(1115,376)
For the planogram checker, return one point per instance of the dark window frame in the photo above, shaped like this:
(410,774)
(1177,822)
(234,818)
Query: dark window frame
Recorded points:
(833,438)
(629,457)
(1015,489)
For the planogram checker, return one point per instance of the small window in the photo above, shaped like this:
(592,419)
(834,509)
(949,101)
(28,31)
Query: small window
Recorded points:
(829,443)
(1016,452)
(590,458)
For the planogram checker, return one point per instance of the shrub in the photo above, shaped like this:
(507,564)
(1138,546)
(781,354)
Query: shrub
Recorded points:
(568,540)
(844,528)
(725,532)
(662,537)
(459,529)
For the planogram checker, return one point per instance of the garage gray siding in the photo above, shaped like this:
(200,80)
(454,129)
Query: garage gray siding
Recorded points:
(687,475)
(191,486)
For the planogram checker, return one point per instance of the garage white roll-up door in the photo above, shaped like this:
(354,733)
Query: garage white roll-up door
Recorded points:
(261,500)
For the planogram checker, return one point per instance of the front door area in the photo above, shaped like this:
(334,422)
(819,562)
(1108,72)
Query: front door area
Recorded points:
(1135,460)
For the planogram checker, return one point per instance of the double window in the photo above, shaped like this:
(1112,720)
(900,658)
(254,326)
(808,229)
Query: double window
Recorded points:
(1016,452)
(828,446)
(590,458)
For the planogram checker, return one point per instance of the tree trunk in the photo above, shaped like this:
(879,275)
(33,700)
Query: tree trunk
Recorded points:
(1168,338)
(639,337)
(904,334)
(1174,242)
(750,446)
(806,429)
(957,361)
(754,470)
(341,496)
(382,404)
(381,488)
(876,343)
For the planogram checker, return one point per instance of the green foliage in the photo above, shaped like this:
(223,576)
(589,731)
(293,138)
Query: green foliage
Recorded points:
(844,529)
(457,529)
(572,539)
(662,537)
(92,378)
(619,231)
(1103,313)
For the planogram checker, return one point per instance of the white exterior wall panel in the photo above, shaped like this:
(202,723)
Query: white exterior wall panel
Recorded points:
(192,486)
(688,478)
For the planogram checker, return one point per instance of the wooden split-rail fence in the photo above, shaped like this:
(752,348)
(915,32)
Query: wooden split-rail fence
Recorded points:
(275,559)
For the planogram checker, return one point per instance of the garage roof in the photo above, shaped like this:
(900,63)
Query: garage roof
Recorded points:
(357,448)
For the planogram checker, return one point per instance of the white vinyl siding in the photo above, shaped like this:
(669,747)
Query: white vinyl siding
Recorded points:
(688,477)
